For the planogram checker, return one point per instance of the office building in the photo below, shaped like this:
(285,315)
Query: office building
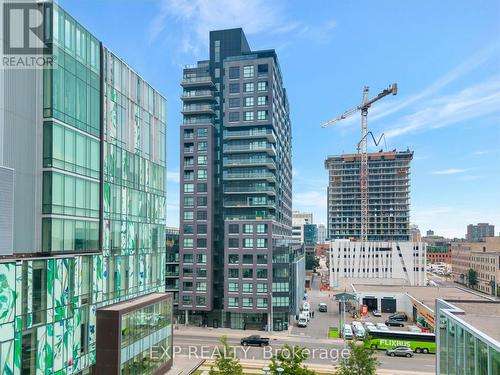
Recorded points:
(299,219)
(378,262)
(429,233)
(486,265)
(415,235)
(388,196)
(468,338)
(235,214)
(310,234)
(479,231)
(82,204)
(321,234)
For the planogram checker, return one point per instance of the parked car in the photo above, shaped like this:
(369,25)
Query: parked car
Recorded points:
(347,332)
(394,323)
(399,316)
(382,327)
(302,322)
(400,351)
(255,340)
(323,307)
(376,313)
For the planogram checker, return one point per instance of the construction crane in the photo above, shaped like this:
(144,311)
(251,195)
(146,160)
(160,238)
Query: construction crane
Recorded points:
(362,147)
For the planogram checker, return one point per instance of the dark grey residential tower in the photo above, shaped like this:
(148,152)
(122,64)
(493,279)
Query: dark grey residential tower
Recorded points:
(235,230)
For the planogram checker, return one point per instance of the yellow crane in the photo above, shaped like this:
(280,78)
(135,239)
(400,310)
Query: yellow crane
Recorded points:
(362,147)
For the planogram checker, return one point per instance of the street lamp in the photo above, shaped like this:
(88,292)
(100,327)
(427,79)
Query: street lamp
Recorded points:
(280,370)
(266,370)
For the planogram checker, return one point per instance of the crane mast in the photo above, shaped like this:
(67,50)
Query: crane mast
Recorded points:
(363,148)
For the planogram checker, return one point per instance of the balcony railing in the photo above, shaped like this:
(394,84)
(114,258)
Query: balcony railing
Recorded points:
(250,161)
(249,189)
(198,108)
(250,176)
(268,147)
(261,133)
(197,81)
(197,95)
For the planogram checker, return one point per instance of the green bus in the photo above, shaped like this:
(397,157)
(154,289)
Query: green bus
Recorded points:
(419,342)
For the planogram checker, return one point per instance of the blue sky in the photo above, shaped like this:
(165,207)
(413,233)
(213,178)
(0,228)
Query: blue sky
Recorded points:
(445,56)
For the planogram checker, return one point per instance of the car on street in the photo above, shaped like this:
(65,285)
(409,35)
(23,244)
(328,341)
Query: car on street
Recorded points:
(394,323)
(254,340)
(347,332)
(399,316)
(376,313)
(302,322)
(323,307)
(400,351)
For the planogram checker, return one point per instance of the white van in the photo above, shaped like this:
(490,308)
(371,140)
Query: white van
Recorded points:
(302,322)
(347,332)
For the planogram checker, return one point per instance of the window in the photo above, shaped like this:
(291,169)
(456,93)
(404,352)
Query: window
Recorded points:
(261,303)
(187,258)
(188,133)
(233,273)
(248,101)
(234,102)
(188,242)
(201,201)
(234,88)
(202,146)
(248,87)
(188,175)
(234,72)
(248,116)
(188,228)
(233,228)
(202,174)
(188,188)
(247,273)
(262,86)
(188,215)
(188,202)
(202,160)
(234,116)
(234,242)
(248,228)
(188,147)
(232,301)
(233,258)
(247,258)
(233,287)
(201,286)
(217,51)
(262,259)
(262,69)
(201,272)
(281,301)
(261,273)
(248,242)
(201,229)
(247,288)
(261,243)
(247,302)
(201,243)
(261,288)
(187,300)
(188,161)
(201,301)
(201,187)
(201,258)
(262,100)
(248,71)
(202,132)
(261,228)
(281,287)
(261,115)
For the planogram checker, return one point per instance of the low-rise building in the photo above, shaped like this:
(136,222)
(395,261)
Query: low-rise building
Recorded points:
(439,253)
(486,265)
(468,338)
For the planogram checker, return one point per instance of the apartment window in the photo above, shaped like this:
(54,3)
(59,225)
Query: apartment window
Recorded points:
(201,272)
(248,302)
(248,242)
(233,228)
(247,258)
(261,228)
(188,134)
(217,51)
(233,301)
(188,202)
(262,259)
(201,229)
(233,258)
(261,288)
(188,161)
(187,258)
(261,243)
(247,288)
(234,72)
(187,300)
(188,242)
(262,115)
(233,273)
(188,147)
(188,188)
(201,286)
(262,100)
(281,287)
(247,273)
(201,215)
(261,273)
(248,87)
(202,174)
(202,160)
(201,187)
(261,303)
(248,71)
(201,201)
(217,72)
(248,101)
(234,102)
(188,175)
(188,228)
(234,242)
(262,86)
(233,287)
(201,301)
(262,69)
(202,146)
(248,116)
(248,228)
(234,88)
(234,116)
(188,215)
(281,301)
(202,132)
(201,243)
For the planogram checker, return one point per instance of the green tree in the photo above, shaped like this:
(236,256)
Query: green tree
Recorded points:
(472,278)
(312,262)
(226,362)
(290,360)
(361,361)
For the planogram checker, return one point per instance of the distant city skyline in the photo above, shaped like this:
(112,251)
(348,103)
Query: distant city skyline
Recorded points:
(447,108)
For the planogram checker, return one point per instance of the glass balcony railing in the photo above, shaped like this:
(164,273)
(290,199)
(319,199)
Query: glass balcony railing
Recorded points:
(249,189)
(268,133)
(267,147)
(248,161)
(197,81)
(197,94)
(250,176)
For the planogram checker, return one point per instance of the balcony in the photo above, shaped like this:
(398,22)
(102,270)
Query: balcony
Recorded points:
(198,120)
(195,95)
(250,176)
(243,134)
(268,147)
(197,81)
(250,162)
(194,109)
(249,189)
(248,203)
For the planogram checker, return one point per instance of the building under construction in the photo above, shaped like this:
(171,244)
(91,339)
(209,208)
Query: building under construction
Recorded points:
(388,196)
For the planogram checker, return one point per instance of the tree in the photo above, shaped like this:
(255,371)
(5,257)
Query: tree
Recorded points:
(226,362)
(312,262)
(290,360)
(472,278)
(361,361)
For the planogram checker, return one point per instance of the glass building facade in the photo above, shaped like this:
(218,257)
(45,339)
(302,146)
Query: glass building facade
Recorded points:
(467,343)
(101,215)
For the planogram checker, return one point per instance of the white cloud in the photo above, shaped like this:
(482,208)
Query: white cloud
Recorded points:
(449,171)
(311,201)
